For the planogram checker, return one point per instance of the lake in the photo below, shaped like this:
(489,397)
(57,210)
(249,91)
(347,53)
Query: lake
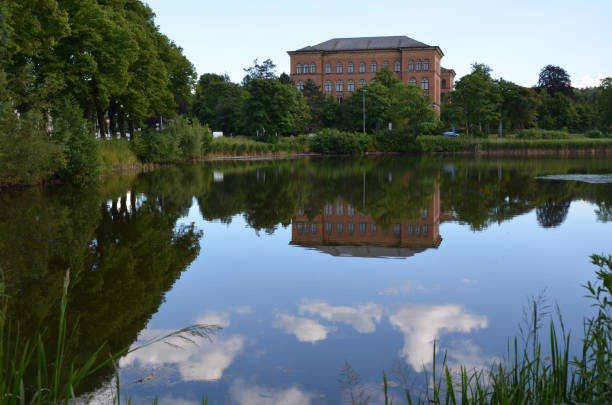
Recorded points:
(319,272)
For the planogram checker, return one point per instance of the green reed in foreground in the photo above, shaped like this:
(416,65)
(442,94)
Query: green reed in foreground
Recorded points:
(528,375)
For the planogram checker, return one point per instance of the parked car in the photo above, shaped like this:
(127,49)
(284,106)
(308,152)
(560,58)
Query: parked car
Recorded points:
(450,134)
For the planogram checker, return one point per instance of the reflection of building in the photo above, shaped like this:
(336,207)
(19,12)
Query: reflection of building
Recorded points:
(341,230)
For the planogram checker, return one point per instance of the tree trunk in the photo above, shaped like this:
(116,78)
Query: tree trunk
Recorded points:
(131,127)
(101,121)
(121,119)
(112,109)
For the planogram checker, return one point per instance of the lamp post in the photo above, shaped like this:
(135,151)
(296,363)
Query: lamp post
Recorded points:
(364,93)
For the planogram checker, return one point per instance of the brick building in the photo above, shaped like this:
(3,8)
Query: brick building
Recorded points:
(341,65)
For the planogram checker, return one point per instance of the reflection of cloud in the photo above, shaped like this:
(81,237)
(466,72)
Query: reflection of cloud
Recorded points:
(243,310)
(362,318)
(467,354)
(214,318)
(242,393)
(421,325)
(404,288)
(306,330)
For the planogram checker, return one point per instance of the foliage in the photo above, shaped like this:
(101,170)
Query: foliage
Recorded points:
(396,140)
(605,104)
(333,141)
(323,107)
(555,79)
(535,133)
(117,154)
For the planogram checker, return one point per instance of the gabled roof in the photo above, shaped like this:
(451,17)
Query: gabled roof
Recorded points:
(365,43)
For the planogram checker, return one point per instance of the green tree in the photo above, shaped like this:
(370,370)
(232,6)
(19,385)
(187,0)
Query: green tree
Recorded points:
(377,105)
(411,108)
(555,79)
(556,111)
(605,104)
(518,105)
(323,108)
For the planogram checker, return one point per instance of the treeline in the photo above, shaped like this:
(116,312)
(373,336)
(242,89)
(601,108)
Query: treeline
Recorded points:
(70,69)
(481,104)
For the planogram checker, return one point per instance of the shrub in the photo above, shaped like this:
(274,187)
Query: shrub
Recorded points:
(116,153)
(333,141)
(153,146)
(397,140)
(537,133)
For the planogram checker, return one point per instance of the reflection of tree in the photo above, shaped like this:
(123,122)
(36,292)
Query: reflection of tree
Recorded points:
(604,212)
(552,214)
(122,261)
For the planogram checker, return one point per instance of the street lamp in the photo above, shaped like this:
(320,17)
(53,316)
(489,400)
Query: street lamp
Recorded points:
(363,93)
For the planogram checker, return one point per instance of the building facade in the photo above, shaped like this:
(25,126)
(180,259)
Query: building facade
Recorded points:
(342,65)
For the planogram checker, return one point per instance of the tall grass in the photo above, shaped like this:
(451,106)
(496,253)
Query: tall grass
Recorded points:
(528,374)
(117,153)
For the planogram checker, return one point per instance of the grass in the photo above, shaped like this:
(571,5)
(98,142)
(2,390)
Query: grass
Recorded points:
(117,154)
(242,146)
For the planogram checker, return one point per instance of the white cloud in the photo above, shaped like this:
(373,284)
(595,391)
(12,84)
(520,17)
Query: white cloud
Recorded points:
(402,289)
(363,317)
(422,324)
(214,318)
(306,330)
(588,81)
(243,310)
(242,393)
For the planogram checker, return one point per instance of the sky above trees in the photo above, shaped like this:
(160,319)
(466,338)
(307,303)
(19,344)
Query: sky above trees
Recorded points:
(515,38)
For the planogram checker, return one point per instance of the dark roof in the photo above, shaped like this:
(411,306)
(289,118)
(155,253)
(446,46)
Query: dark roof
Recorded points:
(365,251)
(365,43)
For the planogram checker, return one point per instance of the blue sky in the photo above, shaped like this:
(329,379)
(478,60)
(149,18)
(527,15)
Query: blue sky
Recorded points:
(515,38)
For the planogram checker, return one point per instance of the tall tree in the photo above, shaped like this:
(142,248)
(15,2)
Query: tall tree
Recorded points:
(555,79)
(605,104)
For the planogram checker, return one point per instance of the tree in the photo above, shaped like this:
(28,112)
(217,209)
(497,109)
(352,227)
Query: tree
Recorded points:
(386,77)
(377,104)
(518,105)
(605,104)
(556,112)
(285,79)
(410,108)
(323,107)
(555,79)
(267,70)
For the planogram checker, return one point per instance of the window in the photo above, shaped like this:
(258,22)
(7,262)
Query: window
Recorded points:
(313,68)
(339,99)
(412,81)
(301,212)
(328,86)
(373,81)
(329,209)
(425,230)
(362,83)
(339,228)
(362,227)
(351,85)
(300,85)
(339,86)
(443,83)
(313,228)
(397,67)
(425,84)
(327,68)
(418,65)
(373,229)
(373,67)
(305,67)
(351,67)
(385,64)
(351,228)
(411,66)
(362,67)
(300,227)
(328,228)
(397,228)
(442,97)
(423,213)
(409,229)
(350,211)
(340,209)
(338,67)
(426,65)
(417,229)
(298,69)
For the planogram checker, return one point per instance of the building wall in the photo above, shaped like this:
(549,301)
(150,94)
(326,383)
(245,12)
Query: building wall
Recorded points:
(404,56)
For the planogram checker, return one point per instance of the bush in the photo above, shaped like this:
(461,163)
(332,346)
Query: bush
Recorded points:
(116,153)
(397,140)
(537,133)
(333,141)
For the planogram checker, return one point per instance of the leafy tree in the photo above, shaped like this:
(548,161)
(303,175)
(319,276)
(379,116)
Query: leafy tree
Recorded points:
(323,107)
(555,79)
(518,105)
(285,79)
(410,108)
(605,104)
(267,70)
(386,77)
(556,111)
(377,104)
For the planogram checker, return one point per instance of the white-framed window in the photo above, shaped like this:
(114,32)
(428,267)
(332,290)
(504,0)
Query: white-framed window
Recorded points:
(350,67)
(313,68)
(412,81)
(362,83)
(409,228)
(411,66)
(300,85)
(328,228)
(397,66)
(418,65)
(351,85)
(339,228)
(417,229)
(329,209)
(425,230)
(350,210)
(305,68)
(339,86)
(298,69)
(351,228)
(385,64)
(373,67)
(313,228)
(327,68)
(361,67)
(338,67)
(425,84)
(362,227)
(397,229)
(300,227)
(443,83)
(339,209)
(328,87)
(426,65)
(373,229)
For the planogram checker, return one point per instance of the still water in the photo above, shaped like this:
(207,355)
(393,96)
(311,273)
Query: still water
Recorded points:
(306,265)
